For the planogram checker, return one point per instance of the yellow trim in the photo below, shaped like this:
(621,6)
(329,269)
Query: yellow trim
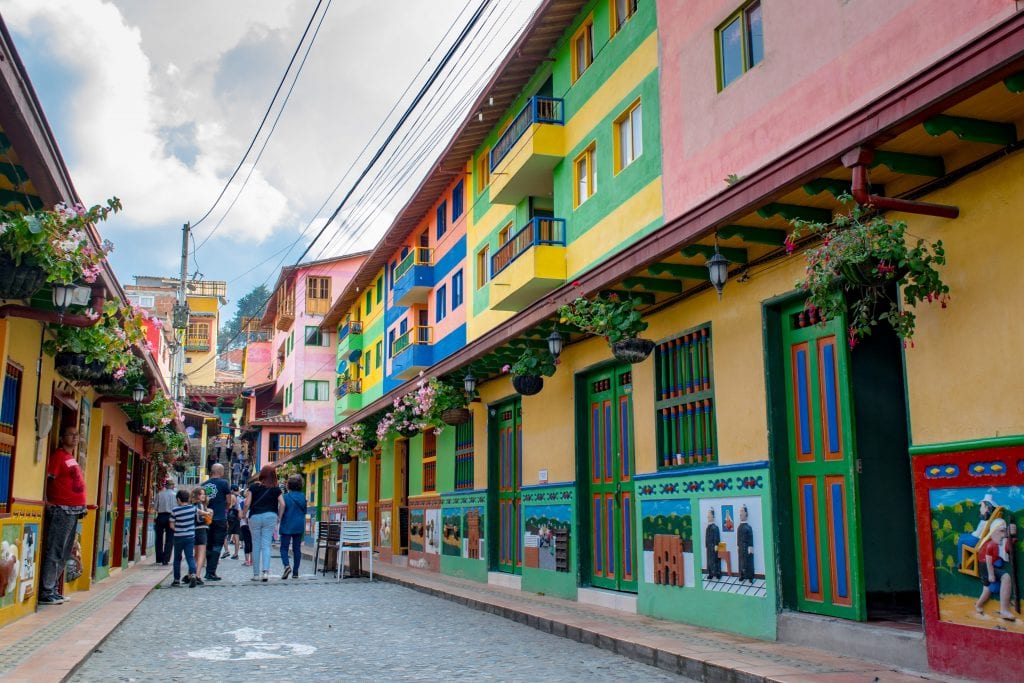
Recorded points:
(613,15)
(616,228)
(483,170)
(626,116)
(587,156)
(483,271)
(586,32)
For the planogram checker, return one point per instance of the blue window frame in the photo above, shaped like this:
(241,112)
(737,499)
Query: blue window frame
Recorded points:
(441,303)
(442,219)
(458,195)
(391,342)
(456,290)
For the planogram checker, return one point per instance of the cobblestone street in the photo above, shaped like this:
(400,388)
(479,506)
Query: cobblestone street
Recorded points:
(312,629)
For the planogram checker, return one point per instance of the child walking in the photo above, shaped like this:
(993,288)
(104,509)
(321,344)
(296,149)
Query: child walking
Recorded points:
(204,516)
(183,522)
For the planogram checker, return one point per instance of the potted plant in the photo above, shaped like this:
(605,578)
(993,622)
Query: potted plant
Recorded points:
(347,443)
(412,413)
(149,418)
(102,352)
(613,318)
(50,246)
(529,370)
(450,403)
(861,266)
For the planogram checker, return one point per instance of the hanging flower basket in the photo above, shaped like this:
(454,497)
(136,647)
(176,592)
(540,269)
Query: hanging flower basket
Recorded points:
(528,385)
(632,350)
(455,416)
(73,366)
(136,427)
(407,432)
(19,282)
(370,444)
(344,458)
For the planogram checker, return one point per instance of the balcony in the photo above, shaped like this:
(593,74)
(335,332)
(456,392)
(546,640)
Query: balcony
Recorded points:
(350,338)
(285,314)
(350,397)
(414,277)
(197,343)
(528,151)
(529,265)
(411,352)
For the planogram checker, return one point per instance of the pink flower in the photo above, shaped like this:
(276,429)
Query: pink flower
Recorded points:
(505,368)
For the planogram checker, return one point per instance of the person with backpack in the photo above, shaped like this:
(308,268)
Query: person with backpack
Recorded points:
(293,523)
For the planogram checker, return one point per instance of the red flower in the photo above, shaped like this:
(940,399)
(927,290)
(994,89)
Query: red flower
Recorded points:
(577,283)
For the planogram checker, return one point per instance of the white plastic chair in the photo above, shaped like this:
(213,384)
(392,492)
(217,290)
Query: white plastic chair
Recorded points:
(356,537)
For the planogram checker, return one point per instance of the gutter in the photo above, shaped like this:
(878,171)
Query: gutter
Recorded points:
(858,161)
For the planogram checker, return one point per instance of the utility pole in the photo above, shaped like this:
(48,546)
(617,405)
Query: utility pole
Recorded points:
(180,323)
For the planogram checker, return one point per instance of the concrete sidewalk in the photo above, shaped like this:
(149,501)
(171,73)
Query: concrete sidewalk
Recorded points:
(50,644)
(695,652)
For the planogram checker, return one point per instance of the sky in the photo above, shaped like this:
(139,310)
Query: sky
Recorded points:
(156,102)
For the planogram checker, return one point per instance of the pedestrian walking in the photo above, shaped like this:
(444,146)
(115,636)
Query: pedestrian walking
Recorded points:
(233,524)
(265,505)
(219,498)
(183,521)
(203,518)
(245,532)
(293,523)
(65,505)
(165,502)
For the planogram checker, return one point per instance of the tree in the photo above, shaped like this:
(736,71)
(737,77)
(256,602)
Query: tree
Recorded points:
(249,306)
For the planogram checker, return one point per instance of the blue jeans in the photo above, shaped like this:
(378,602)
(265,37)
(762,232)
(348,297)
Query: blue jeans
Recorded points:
(262,526)
(295,541)
(184,545)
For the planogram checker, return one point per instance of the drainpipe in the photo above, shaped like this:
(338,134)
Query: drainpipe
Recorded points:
(19,311)
(858,160)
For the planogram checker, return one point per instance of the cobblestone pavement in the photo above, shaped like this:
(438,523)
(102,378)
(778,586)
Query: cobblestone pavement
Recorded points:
(315,629)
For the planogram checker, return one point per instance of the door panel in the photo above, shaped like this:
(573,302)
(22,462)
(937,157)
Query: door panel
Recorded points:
(510,478)
(610,461)
(823,464)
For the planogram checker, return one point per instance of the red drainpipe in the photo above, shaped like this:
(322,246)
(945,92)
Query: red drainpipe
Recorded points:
(858,161)
(19,311)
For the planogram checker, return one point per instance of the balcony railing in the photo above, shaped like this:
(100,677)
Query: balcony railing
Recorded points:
(285,313)
(412,336)
(197,344)
(275,456)
(350,327)
(419,256)
(353,386)
(540,230)
(536,110)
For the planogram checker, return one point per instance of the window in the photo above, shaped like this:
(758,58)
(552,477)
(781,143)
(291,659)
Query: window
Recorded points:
(288,395)
(197,337)
(316,390)
(740,44)
(629,136)
(380,354)
(366,362)
(504,234)
(456,290)
(143,300)
(318,295)
(317,337)
(685,400)
(582,49)
(585,175)
(391,342)
(441,303)
(442,219)
(290,345)
(458,198)
(9,426)
(464,455)
(369,301)
(483,171)
(483,266)
(380,288)
(622,11)
(429,461)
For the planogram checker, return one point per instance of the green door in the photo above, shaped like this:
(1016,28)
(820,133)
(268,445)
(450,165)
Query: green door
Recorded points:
(822,461)
(510,479)
(610,485)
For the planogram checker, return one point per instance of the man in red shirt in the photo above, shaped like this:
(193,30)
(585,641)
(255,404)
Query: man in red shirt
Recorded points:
(65,505)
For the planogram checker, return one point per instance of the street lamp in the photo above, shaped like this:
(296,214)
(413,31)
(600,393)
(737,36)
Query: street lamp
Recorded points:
(139,393)
(555,343)
(469,383)
(63,296)
(718,270)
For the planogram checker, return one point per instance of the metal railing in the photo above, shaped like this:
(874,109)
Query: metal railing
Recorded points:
(419,256)
(412,337)
(536,110)
(352,386)
(540,230)
(350,327)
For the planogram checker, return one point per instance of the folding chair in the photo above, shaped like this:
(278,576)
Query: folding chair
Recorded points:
(356,537)
(327,535)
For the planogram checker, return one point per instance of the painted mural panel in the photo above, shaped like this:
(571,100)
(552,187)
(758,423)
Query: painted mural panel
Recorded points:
(452,532)
(29,561)
(732,548)
(432,531)
(667,528)
(417,523)
(10,554)
(463,533)
(977,555)
(548,529)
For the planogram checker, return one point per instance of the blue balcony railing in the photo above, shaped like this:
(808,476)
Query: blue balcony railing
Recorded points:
(536,110)
(540,230)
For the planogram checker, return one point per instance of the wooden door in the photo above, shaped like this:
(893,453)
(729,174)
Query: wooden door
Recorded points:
(510,478)
(823,462)
(121,507)
(610,456)
(400,502)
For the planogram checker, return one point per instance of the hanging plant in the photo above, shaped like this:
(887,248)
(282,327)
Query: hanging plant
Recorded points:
(530,369)
(862,266)
(105,347)
(347,443)
(614,318)
(418,410)
(157,414)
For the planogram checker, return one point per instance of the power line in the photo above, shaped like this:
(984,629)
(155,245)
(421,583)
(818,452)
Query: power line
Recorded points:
(266,114)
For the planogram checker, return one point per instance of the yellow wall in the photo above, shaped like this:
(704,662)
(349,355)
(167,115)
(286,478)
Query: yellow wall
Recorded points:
(965,369)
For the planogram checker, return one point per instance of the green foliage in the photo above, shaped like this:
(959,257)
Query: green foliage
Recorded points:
(57,241)
(609,316)
(249,306)
(109,341)
(532,362)
(860,256)
(945,522)
(677,525)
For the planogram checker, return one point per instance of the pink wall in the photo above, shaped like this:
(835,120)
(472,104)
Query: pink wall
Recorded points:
(257,363)
(821,61)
